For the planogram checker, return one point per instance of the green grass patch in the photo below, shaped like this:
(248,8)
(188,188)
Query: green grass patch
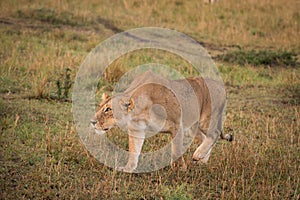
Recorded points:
(180,192)
(260,57)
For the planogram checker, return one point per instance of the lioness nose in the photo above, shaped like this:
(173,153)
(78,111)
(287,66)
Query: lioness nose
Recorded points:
(93,122)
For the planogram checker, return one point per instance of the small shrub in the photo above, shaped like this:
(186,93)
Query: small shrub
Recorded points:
(64,85)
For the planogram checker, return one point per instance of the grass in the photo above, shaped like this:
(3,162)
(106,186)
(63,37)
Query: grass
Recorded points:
(43,45)
(262,57)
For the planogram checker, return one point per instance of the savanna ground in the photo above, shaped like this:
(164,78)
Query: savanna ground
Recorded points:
(255,45)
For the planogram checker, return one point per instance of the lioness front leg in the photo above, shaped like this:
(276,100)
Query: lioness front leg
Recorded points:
(135,141)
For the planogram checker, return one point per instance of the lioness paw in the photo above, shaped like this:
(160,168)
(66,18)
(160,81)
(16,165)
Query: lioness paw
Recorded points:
(199,157)
(128,168)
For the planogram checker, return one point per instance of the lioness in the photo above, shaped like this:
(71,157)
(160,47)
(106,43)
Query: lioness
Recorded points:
(157,104)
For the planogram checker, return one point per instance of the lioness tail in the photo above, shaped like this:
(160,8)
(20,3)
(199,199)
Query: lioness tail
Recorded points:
(227,137)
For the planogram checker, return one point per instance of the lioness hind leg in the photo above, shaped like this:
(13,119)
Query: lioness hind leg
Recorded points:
(202,153)
(203,150)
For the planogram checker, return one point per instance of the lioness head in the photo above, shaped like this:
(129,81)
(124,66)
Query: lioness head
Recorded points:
(104,118)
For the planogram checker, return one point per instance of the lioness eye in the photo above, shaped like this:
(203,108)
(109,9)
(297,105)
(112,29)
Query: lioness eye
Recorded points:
(107,109)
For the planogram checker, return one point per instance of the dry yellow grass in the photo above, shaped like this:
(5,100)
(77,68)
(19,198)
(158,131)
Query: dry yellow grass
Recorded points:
(273,24)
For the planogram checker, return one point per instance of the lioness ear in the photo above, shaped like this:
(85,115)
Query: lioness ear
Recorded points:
(104,96)
(127,104)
